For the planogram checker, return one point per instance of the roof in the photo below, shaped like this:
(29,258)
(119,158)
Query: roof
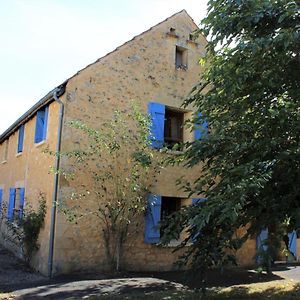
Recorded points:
(49,97)
(31,112)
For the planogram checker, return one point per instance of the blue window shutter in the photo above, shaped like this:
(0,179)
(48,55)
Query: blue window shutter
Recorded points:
(201,128)
(21,139)
(157,114)
(39,126)
(11,204)
(45,122)
(1,197)
(21,204)
(152,232)
(260,243)
(198,200)
(293,242)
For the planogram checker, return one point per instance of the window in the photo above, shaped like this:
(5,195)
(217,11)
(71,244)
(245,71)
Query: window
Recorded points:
(41,125)
(181,58)
(169,205)
(167,125)
(15,204)
(159,208)
(20,139)
(5,150)
(173,127)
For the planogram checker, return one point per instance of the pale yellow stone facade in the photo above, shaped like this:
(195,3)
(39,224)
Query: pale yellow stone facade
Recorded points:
(142,70)
(30,169)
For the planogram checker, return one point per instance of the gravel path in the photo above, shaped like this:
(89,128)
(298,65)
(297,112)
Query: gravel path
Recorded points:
(288,271)
(13,272)
(23,283)
(88,288)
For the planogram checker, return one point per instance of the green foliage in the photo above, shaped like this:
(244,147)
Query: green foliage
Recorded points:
(249,93)
(24,232)
(31,225)
(119,167)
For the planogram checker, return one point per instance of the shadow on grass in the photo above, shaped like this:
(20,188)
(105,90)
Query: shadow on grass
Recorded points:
(235,293)
(216,278)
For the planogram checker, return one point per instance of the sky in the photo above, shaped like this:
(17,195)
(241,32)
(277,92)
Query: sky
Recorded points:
(44,42)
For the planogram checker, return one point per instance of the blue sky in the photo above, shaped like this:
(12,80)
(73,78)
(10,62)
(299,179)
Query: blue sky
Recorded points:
(43,42)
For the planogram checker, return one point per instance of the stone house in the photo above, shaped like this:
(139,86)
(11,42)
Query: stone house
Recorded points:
(158,69)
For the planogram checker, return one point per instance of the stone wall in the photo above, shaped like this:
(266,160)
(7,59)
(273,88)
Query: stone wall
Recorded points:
(142,70)
(31,169)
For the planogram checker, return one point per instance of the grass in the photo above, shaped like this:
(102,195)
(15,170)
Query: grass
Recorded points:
(275,290)
(5,296)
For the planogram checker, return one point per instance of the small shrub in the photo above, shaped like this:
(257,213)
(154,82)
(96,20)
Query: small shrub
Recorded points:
(31,225)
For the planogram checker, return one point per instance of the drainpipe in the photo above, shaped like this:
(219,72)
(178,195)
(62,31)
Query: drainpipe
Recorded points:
(55,187)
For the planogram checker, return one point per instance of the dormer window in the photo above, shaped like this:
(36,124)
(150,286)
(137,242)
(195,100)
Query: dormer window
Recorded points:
(181,58)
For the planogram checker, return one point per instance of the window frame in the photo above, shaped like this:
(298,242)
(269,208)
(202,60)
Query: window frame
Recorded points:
(154,215)
(156,113)
(181,58)
(175,207)
(170,138)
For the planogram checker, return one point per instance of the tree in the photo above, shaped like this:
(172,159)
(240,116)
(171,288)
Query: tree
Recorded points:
(249,94)
(120,166)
